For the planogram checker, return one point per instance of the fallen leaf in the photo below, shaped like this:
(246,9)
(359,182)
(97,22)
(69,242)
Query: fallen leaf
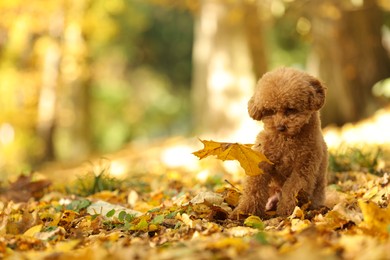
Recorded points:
(209,197)
(78,205)
(331,221)
(230,195)
(32,231)
(248,158)
(25,188)
(297,213)
(299,224)
(184,219)
(102,207)
(52,234)
(375,218)
(254,222)
(142,224)
(65,246)
(241,231)
(371,193)
(238,244)
(158,219)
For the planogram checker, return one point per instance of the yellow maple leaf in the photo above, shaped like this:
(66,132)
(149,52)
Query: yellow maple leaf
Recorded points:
(376,218)
(248,158)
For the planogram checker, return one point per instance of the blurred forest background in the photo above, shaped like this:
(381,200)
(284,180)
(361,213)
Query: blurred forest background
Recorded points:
(83,77)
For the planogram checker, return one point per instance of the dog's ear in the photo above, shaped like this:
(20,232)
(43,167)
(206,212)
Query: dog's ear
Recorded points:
(253,110)
(318,98)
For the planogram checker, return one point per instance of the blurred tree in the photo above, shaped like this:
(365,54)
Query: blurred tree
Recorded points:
(85,75)
(29,65)
(348,51)
(53,52)
(82,75)
(228,56)
(64,98)
(142,75)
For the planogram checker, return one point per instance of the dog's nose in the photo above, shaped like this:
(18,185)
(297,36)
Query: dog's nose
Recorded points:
(281,128)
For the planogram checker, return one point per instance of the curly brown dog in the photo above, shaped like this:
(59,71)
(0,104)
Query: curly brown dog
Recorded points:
(287,101)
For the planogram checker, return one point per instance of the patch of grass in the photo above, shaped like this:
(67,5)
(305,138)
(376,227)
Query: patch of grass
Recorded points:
(214,181)
(355,159)
(97,179)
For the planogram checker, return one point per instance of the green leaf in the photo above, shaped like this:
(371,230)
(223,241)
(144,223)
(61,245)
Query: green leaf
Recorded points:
(153,210)
(172,214)
(110,213)
(178,224)
(158,219)
(78,205)
(49,228)
(142,225)
(261,238)
(129,217)
(122,215)
(127,225)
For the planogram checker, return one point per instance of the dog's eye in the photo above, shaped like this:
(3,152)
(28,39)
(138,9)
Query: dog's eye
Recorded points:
(267,112)
(290,111)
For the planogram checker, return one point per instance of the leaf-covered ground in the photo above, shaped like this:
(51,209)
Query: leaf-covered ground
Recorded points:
(162,203)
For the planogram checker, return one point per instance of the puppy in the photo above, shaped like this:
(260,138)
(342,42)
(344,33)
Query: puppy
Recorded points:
(287,101)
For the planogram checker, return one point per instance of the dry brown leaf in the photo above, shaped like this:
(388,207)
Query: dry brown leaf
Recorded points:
(25,188)
(230,195)
(248,158)
(209,197)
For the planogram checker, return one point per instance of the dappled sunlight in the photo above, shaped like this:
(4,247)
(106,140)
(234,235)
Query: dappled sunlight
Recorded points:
(118,168)
(202,176)
(7,134)
(247,132)
(179,155)
(372,131)
(161,157)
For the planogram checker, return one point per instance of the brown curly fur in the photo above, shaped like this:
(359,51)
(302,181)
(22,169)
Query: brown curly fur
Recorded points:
(287,101)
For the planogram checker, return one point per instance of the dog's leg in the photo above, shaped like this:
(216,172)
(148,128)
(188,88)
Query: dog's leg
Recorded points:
(318,196)
(254,197)
(296,184)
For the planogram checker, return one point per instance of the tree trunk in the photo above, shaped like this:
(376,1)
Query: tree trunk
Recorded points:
(224,71)
(47,101)
(350,57)
(73,131)
(254,35)
(47,104)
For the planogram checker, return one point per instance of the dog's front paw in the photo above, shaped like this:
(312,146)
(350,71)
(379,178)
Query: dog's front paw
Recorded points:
(238,214)
(244,210)
(285,209)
